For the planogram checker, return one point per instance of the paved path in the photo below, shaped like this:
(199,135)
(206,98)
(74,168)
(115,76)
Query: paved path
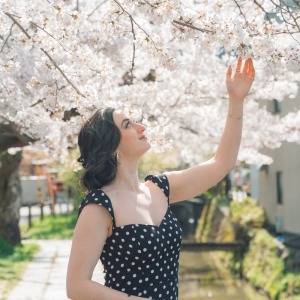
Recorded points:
(45,276)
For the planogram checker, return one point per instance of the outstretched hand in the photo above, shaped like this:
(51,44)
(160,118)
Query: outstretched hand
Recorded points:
(240,83)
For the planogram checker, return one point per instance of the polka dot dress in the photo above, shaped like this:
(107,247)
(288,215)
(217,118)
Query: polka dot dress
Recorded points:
(141,259)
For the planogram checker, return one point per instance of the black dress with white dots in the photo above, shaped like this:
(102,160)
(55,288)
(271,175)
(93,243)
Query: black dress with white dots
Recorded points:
(141,259)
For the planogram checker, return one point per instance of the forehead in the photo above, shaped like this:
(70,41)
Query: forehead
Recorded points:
(119,116)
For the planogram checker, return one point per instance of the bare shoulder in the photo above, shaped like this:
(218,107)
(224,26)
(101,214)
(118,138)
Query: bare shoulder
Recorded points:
(152,187)
(94,216)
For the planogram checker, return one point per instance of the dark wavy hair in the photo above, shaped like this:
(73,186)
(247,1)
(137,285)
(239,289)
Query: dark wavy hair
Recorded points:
(98,140)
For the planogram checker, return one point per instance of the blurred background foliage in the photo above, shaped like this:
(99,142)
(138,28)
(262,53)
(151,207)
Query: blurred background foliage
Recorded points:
(267,263)
(13,261)
(151,163)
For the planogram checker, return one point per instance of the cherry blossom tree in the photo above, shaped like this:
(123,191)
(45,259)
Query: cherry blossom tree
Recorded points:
(166,60)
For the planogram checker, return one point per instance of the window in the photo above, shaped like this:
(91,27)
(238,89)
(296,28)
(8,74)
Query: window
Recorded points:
(279,187)
(276,106)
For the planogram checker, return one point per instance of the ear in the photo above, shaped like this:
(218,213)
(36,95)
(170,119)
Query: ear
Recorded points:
(116,156)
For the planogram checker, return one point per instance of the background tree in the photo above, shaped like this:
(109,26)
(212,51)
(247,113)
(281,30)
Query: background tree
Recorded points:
(10,192)
(10,189)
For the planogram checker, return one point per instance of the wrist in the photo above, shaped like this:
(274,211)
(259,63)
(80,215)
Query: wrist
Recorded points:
(238,118)
(236,100)
(235,110)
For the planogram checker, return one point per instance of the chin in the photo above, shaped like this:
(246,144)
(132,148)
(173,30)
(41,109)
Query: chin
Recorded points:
(147,148)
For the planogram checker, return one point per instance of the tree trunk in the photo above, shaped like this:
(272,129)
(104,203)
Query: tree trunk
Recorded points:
(10,197)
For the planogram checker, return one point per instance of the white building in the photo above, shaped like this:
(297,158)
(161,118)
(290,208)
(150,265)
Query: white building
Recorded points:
(277,186)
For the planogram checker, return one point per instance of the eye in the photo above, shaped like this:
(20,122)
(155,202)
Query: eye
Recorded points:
(128,124)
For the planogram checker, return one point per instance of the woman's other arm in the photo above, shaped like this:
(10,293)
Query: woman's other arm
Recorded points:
(89,238)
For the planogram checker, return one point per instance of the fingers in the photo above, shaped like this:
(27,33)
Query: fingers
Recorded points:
(229,73)
(247,66)
(238,66)
(246,70)
(253,73)
(250,72)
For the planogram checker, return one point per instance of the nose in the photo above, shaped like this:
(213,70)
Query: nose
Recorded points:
(140,127)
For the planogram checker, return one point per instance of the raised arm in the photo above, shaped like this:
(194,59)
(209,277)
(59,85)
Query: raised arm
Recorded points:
(89,237)
(193,181)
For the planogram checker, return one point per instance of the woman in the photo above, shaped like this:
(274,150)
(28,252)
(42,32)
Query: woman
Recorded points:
(129,224)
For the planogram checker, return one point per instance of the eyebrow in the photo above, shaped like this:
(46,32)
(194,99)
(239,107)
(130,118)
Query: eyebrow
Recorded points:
(124,121)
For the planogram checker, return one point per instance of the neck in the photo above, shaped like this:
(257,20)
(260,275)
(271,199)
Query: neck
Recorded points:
(127,176)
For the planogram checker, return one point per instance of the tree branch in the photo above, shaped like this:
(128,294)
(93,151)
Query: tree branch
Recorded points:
(36,103)
(189,129)
(152,5)
(191,26)
(38,26)
(262,8)
(18,24)
(293,17)
(133,20)
(47,54)
(185,92)
(240,9)
(133,49)
(96,8)
(62,73)
(286,24)
(6,40)
(12,137)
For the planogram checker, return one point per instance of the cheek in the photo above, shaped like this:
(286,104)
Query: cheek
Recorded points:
(127,137)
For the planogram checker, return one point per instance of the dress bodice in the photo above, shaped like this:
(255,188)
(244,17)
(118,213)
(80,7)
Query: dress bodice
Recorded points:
(141,259)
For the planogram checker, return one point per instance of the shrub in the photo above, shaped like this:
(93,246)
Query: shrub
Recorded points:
(262,265)
(247,213)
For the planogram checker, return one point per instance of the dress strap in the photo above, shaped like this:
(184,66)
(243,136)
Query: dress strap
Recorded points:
(162,182)
(97,196)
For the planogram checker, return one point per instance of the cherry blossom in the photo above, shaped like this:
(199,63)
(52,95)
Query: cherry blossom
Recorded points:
(61,60)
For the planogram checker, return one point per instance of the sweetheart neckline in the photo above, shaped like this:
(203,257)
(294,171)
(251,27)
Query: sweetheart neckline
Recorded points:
(132,224)
(142,224)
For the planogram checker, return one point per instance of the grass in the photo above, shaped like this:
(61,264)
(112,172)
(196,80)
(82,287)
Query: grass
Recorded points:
(13,261)
(51,227)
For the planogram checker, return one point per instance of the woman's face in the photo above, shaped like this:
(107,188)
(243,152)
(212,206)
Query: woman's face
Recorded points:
(133,140)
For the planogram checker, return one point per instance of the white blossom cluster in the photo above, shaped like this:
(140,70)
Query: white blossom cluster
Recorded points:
(164,59)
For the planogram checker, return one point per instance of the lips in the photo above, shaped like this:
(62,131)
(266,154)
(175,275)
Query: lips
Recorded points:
(142,137)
